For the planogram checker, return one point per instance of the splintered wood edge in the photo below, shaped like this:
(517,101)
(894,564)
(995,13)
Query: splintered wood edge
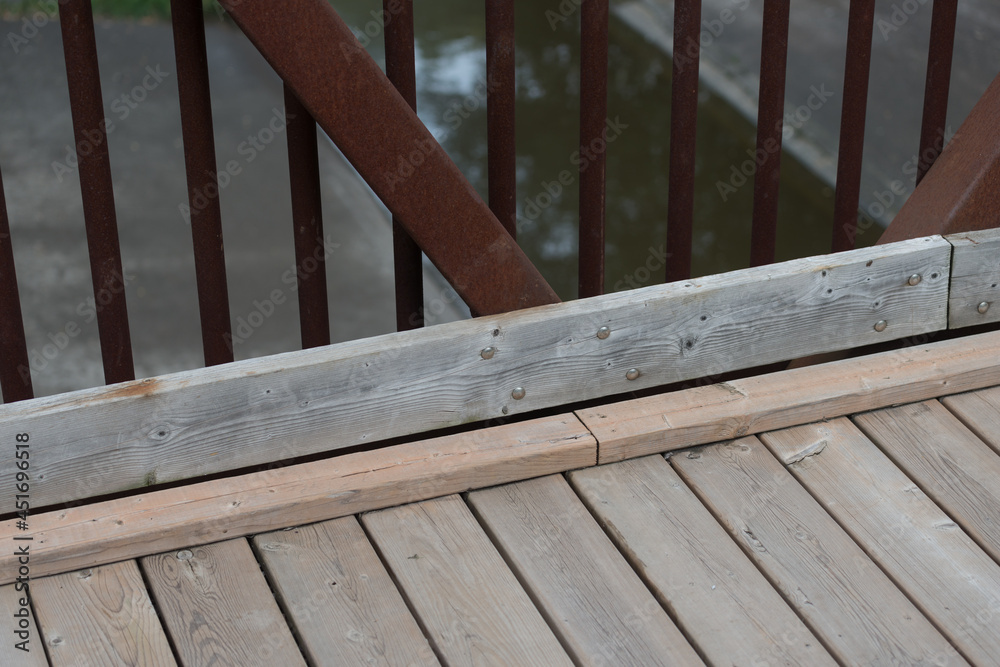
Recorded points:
(730,410)
(205,512)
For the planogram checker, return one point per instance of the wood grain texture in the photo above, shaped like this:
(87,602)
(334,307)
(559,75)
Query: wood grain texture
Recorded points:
(694,567)
(342,603)
(252,412)
(975,278)
(847,601)
(778,400)
(259,502)
(100,616)
(218,608)
(980,412)
(466,598)
(21,645)
(940,568)
(595,602)
(947,461)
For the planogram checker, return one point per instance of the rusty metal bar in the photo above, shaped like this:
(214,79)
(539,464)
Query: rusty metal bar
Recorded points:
(770,113)
(307,223)
(860,23)
(400,67)
(319,58)
(593,143)
(939,53)
(500,95)
(202,182)
(76,21)
(683,128)
(962,192)
(15,369)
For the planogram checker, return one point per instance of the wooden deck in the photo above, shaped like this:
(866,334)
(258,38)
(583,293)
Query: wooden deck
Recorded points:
(869,538)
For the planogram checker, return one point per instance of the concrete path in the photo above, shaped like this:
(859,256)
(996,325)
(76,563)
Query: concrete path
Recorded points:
(730,67)
(140,92)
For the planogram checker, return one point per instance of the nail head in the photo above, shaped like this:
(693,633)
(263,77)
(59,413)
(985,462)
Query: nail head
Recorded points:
(517,394)
(184,555)
(603,333)
(881,325)
(488,352)
(632,373)
(983,307)
(914,279)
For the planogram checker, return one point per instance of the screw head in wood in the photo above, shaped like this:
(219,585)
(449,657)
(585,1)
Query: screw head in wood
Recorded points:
(603,333)
(881,325)
(983,307)
(184,555)
(914,279)
(517,394)
(488,352)
(632,373)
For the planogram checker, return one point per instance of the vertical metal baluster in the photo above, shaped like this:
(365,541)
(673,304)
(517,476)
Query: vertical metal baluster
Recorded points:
(593,144)
(860,22)
(90,133)
(307,221)
(500,97)
(15,370)
(939,54)
(683,128)
(770,113)
(401,70)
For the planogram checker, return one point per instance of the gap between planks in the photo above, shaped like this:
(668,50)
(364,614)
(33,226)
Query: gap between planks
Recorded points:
(207,512)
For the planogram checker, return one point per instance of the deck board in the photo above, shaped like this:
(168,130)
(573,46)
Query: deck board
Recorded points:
(929,557)
(849,603)
(31,652)
(218,608)
(100,616)
(340,598)
(980,412)
(471,606)
(596,603)
(952,466)
(694,567)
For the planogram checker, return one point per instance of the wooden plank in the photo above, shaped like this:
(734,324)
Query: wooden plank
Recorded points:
(938,566)
(847,601)
(253,412)
(778,400)
(259,502)
(22,645)
(218,608)
(595,602)
(980,412)
(336,592)
(696,570)
(100,616)
(470,605)
(975,278)
(947,461)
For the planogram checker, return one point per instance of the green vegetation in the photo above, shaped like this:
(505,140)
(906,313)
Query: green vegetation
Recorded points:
(117,8)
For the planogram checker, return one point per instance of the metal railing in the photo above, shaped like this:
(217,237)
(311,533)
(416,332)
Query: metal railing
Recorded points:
(331,81)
